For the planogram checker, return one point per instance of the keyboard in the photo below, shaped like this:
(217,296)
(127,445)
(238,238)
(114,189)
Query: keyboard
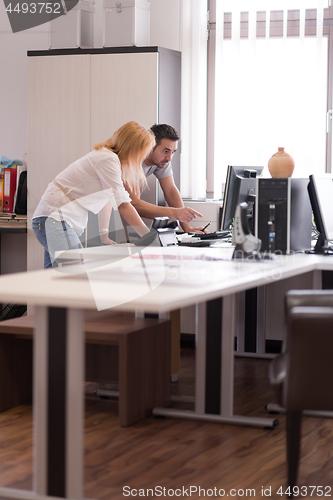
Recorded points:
(196,243)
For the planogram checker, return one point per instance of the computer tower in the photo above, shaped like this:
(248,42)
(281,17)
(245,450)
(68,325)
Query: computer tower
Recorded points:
(283,215)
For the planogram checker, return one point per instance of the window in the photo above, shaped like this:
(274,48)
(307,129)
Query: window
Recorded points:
(272,85)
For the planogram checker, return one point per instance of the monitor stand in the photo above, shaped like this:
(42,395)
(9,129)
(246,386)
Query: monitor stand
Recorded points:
(322,246)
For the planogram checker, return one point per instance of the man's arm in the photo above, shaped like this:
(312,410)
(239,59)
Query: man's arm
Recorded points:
(173,199)
(176,210)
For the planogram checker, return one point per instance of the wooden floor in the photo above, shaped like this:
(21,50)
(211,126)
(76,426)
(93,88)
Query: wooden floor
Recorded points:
(177,454)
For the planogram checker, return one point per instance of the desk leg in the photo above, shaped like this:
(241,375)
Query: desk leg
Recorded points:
(219,356)
(251,338)
(227,355)
(214,390)
(58,402)
(215,357)
(200,359)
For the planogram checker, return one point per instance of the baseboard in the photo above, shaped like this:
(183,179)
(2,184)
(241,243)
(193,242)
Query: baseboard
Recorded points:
(187,340)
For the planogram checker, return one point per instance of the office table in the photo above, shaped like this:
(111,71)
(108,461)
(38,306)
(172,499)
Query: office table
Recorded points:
(154,280)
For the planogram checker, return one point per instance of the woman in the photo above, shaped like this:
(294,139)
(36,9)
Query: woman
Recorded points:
(93,183)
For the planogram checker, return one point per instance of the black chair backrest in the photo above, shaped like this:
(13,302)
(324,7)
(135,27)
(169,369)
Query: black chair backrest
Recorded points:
(309,356)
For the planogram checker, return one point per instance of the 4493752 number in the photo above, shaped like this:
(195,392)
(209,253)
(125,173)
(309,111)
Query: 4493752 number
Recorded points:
(306,491)
(35,8)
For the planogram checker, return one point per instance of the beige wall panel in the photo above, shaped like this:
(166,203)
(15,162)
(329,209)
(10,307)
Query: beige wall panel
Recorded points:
(13,253)
(58,126)
(188,320)
(124,87)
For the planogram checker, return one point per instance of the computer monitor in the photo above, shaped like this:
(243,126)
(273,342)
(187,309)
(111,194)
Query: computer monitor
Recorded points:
(240,187)
(321,197)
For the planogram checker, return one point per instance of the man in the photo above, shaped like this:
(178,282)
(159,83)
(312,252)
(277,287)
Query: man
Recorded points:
(159,163)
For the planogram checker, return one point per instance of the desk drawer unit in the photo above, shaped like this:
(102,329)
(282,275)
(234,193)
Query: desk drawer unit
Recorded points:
(133,351)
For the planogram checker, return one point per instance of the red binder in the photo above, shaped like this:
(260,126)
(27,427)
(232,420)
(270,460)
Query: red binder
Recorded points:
(9,188)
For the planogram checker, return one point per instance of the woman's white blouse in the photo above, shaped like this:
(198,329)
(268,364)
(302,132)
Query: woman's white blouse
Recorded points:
(92,181)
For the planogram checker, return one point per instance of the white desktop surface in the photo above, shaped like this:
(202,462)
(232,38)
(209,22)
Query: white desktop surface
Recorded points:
(179,277)
(154,280)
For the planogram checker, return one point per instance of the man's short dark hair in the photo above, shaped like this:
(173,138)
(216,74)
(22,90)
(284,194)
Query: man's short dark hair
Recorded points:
(163,131)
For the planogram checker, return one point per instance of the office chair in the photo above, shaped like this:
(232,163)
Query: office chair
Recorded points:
(302,374)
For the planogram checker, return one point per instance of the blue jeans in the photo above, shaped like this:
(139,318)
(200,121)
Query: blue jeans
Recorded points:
(54,235)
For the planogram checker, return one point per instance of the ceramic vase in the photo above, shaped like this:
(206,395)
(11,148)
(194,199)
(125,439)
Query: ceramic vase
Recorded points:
(281,164)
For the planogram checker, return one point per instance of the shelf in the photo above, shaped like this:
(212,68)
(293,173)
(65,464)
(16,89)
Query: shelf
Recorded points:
(12,223)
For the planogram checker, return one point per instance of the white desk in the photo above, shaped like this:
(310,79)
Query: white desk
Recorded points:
(157,280)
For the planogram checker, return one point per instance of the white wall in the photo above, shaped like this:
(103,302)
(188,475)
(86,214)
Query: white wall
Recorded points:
(165,23)
(165,32)
(13,84)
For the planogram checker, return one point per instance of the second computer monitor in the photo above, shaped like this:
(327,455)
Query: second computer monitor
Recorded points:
(321,196)
(240,187)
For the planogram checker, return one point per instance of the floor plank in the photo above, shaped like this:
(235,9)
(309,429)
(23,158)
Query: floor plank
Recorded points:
(177,454)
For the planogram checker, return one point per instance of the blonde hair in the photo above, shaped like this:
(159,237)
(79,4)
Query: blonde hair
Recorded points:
(131,143)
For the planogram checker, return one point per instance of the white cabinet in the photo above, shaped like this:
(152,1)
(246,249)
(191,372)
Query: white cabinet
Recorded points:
(123,87)
(79,97)
(58,127)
